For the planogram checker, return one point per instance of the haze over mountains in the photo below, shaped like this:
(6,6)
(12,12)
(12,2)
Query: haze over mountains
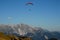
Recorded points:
(36,33)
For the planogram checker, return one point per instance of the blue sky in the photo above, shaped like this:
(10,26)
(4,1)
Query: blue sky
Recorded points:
(43,13)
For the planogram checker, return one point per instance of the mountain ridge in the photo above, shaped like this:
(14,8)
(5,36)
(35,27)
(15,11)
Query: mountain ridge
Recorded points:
(36,33)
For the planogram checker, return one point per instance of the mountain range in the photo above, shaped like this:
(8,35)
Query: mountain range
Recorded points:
(36,33)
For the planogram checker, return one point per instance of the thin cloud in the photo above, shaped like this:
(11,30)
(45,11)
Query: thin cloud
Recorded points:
(9,18)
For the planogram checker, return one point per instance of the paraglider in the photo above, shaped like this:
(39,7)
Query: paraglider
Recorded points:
(29,5)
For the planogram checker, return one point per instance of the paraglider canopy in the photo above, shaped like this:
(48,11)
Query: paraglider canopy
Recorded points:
(29,3)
